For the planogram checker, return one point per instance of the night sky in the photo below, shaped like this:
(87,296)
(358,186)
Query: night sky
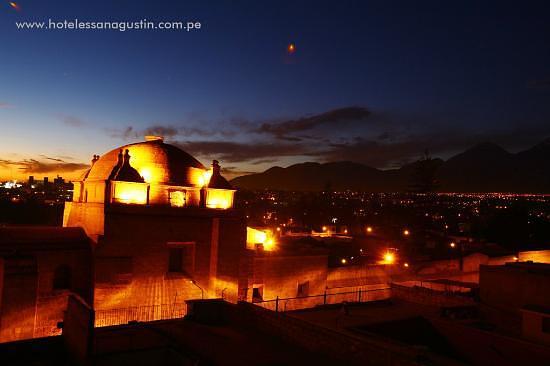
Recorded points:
(373,82)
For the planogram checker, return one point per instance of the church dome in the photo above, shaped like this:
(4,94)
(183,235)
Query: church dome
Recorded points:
(154,160)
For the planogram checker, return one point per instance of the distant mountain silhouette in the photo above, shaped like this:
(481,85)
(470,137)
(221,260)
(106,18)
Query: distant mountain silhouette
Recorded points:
(485,167)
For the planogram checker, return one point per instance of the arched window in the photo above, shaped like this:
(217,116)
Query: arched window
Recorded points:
(62,278)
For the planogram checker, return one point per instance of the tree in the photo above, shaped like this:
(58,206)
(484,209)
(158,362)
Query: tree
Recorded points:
(424,176)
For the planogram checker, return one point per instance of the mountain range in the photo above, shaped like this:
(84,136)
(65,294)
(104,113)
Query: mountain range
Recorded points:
(486,167)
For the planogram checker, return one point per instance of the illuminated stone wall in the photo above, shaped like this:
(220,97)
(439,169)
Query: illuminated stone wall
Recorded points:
(140,238)
(280,275)
(30,305)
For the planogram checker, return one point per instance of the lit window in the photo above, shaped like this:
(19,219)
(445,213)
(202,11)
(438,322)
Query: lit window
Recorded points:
(130,193)
(219,198)
(177,198)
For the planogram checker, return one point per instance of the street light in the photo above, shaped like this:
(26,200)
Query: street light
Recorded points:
(200,288)
(452,244)
(406,232)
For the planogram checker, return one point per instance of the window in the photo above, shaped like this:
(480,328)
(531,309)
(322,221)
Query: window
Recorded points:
(545,324)
(62,278)
(258,293)
(177,198)
(303,289)
(181,258)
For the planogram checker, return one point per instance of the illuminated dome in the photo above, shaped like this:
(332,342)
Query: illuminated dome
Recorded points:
(154,160)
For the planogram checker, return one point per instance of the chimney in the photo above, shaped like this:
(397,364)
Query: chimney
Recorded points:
(94,159)
(215,167)
(119,163)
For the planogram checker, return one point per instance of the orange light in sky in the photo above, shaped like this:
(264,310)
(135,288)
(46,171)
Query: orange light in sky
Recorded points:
(15,5)
(291,48)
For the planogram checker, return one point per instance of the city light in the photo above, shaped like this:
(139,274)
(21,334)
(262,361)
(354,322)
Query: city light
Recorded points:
(389,258)
(343,261)
(406,265)
(369,229)
(452,245)
(260,236)
(406,232)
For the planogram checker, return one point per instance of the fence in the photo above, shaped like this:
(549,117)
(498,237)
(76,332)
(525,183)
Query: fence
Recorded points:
(296,303)
(108,317)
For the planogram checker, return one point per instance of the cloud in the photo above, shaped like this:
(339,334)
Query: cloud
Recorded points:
(165,131)
(52,159)
(231,172)
(285,129)
(36,166)
(72,121)
(389,138)
(241,152)
(168,132)
(384,153)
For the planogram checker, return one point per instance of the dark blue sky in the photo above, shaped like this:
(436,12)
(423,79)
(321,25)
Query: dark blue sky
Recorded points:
(375,82)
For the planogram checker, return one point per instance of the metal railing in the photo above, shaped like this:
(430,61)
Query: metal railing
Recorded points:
(146,313)
(304,302)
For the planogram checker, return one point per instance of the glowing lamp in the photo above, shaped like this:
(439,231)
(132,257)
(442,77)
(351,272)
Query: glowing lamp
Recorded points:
(406,232)
(146,174)
(260,236)
(369,229)
(389,258)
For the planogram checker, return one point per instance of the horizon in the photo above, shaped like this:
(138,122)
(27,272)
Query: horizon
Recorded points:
(372,84)
(230,176)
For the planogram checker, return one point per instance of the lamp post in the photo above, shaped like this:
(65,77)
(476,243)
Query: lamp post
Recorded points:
(200,288)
